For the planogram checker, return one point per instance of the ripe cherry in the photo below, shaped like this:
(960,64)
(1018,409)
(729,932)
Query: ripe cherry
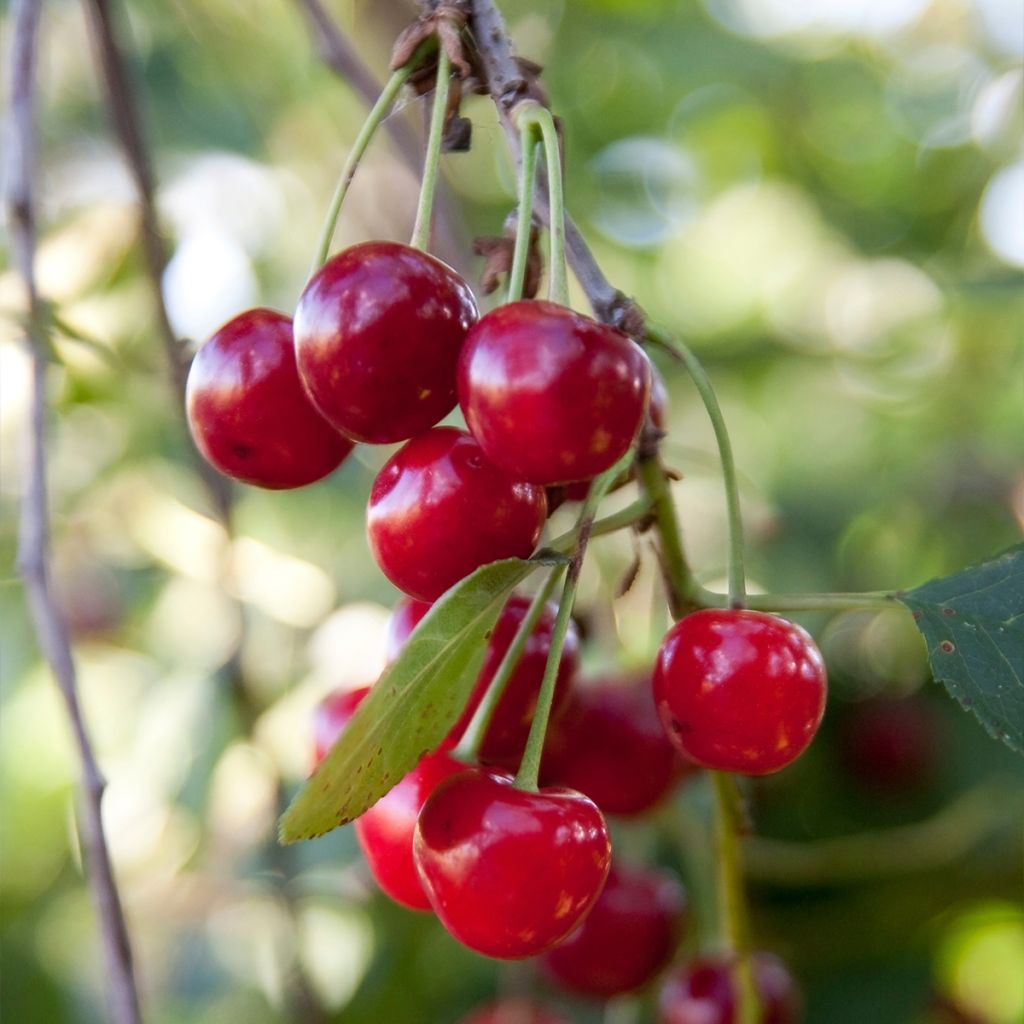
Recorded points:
(627,938)
(739,691)
(331,716)
(514,1011)
(378,332)
(703,992)
(385,831)
(440,509)
(611,745)
(509,872)
(519,367)
(248,412)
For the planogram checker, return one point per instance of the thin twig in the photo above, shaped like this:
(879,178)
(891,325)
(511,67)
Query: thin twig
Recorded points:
(129,130)
(33,534)
(343,59)
(128,125)
(507,87)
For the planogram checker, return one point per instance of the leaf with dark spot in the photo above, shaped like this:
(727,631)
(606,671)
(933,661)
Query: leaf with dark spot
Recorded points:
(973,624)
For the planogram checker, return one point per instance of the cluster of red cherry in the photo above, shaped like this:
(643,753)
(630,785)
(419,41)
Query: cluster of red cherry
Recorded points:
(510,873)
(386,341)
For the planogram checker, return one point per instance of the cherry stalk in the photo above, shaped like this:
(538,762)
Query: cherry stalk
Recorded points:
(529,769)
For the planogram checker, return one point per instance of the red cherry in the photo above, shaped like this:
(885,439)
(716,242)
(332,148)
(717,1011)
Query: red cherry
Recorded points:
(627,938)
(611,746)
(378,332)
(739,691)
(440,509)
(513,1011)
(510,873)
(247,409)
(552,396)
(331,716)
(385,831)
(405,617)
(702,992)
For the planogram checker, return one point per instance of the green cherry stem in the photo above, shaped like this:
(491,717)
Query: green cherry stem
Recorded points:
(737,578)
(478,726)
(377,114)
(558,280)
(682,587)
(524,215)
(558,286)
(529,768)
(733,928)
(362,141)
(432,161)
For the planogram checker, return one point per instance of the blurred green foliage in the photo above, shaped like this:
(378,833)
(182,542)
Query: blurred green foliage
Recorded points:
(823,197)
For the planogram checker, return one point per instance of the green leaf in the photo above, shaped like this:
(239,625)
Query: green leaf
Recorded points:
(410,709)
(973,624)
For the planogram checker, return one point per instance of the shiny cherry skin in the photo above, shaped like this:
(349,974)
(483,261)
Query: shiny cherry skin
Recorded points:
(552,396)
(510,873)
(702,992)
(627,938)
(739,691)
(440,509)
(331,716)
(248,412)
(378,332)
(611,746)
(514,1011)
(405,617)
(385,831)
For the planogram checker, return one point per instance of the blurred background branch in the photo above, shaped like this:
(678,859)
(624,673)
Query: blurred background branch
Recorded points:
(127,122)
(124,115)
(33,533)
(957,831)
